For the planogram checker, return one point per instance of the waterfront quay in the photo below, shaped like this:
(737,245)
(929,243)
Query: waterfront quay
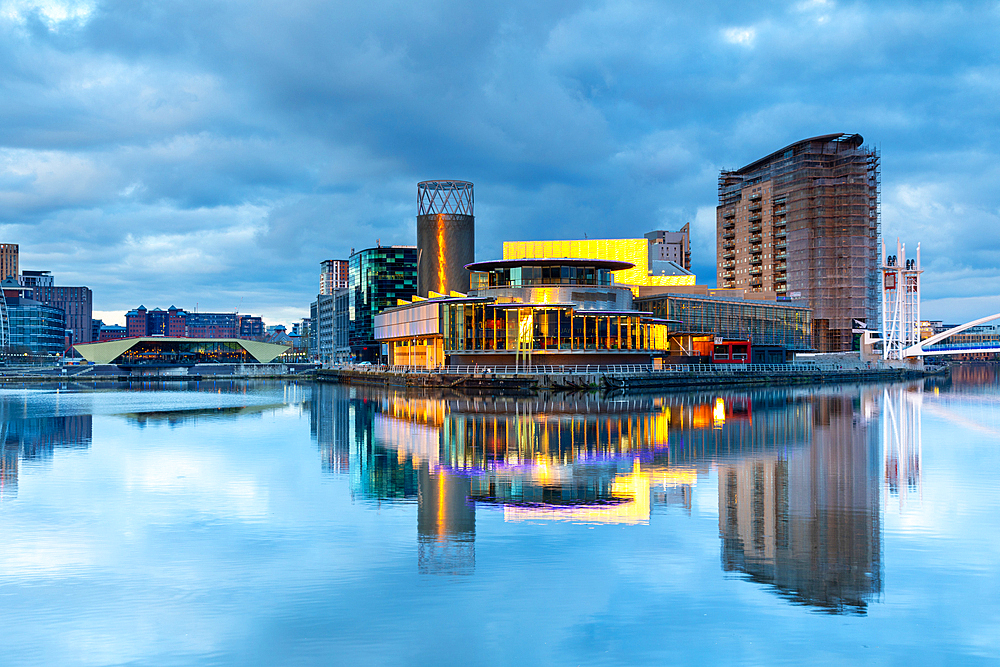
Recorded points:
(102,373)
(527,380)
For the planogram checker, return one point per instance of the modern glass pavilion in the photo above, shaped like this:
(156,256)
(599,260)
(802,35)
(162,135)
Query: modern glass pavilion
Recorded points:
(164,351)
(550,311)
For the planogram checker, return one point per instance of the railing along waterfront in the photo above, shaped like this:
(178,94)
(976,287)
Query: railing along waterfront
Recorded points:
(614,369)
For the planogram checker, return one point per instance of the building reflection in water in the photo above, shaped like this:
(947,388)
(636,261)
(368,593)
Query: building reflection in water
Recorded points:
(902,441)
(29,439)
(807,521)
(800,471)
(586,460)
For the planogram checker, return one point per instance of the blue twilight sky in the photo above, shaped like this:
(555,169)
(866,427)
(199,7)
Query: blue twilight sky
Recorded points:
(213,152)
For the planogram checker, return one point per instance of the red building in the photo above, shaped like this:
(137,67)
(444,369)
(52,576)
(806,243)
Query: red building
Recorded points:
(732,352)
(76,302)
(178,323)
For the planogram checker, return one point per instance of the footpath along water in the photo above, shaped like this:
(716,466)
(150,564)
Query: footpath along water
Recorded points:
(279,523)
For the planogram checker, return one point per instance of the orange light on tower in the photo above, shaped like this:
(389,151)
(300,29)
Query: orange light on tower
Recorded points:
(446,236)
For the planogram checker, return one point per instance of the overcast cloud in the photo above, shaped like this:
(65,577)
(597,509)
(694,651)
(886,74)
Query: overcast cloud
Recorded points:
(214,152)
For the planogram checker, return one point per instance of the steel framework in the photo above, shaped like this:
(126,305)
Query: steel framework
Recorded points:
(447,197)
(900,302)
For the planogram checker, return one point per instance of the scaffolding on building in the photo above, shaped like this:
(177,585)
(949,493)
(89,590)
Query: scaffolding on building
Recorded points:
(804,223)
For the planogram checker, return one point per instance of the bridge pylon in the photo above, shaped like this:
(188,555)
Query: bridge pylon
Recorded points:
(900,302)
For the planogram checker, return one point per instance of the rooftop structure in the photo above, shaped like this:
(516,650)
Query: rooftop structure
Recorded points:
(37,279)
(648,257)
(803,222)
(670,246)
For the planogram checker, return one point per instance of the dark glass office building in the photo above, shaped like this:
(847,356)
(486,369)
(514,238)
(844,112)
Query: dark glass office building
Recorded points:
(378,277)
(35,327)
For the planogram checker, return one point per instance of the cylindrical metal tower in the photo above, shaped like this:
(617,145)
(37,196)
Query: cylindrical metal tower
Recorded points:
(446,236)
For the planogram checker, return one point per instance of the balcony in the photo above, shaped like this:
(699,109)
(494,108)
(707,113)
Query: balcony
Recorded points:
(756,272)
(755,261)
(756,283)
(729,275)
(728,235)
(781,245)
(755,229)
(755,196)
(780,222)
(755,217)
(729,245)
(728,266)
(729,224)
(754,206)
(755,239)
(729,255)
(729,214)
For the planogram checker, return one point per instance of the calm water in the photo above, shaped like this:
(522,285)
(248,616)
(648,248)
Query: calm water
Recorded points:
(289,524)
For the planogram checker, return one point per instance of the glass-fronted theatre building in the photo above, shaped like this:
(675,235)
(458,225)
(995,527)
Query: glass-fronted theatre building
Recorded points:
(538,311)
(561,311)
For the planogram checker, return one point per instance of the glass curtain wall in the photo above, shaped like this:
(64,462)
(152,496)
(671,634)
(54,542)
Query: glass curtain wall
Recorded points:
(377,277)
(787,326)
(477,327)
(35,327)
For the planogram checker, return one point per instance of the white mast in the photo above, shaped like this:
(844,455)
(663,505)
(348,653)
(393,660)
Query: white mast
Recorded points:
(900,302)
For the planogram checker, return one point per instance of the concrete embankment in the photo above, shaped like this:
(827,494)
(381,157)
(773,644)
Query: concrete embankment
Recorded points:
(526,383)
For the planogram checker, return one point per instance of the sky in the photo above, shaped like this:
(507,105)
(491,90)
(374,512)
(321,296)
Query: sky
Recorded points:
(211,153)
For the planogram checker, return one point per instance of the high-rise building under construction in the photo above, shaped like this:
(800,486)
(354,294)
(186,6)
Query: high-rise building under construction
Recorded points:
(803,222)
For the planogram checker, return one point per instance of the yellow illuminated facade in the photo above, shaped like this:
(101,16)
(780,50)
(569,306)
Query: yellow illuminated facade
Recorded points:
(635,251)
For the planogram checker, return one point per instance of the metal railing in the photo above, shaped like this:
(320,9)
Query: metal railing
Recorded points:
(594,369)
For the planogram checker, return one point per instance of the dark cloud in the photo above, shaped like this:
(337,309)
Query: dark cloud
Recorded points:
(181,152)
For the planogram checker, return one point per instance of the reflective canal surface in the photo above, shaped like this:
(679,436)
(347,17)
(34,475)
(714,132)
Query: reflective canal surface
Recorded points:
(276,523)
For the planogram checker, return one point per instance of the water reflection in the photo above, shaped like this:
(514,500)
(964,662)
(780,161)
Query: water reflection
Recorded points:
(901,435)
(194,415)
(799,471)
(807,521)
(26,437)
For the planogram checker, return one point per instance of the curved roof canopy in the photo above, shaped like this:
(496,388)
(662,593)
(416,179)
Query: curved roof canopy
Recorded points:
(107,351)
(849,140)
(493,264)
